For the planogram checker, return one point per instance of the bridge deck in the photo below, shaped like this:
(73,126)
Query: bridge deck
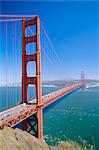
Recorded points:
(17,114)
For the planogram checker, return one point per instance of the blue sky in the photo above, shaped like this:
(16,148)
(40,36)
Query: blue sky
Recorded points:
(73,28)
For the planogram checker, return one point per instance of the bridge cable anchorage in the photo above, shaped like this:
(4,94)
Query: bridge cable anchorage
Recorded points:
(6,66)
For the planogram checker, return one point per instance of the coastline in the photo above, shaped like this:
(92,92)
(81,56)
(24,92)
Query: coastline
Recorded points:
(91,86)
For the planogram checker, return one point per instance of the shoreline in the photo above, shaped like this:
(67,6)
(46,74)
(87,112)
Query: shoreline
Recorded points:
(91,86)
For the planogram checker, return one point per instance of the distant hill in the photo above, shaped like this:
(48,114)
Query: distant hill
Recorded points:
(56,83)
(68,82)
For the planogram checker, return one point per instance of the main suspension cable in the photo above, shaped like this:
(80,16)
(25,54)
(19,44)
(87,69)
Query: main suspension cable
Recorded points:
(48,58)
(10,20)
(53,48)
(17,16)
(51,44)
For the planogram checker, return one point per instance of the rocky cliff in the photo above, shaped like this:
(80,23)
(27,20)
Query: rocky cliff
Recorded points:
(16,139)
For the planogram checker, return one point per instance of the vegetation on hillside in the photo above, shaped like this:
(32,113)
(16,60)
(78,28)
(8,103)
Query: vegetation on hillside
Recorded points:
(70,145)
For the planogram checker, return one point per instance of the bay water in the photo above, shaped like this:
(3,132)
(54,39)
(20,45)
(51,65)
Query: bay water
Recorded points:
(73,117)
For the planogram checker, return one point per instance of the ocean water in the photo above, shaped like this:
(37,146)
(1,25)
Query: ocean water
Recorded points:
(14,95)
(75,116)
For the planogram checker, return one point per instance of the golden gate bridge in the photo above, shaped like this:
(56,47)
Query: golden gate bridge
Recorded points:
(30,112)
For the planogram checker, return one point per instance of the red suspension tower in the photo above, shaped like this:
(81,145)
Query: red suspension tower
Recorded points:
(83,84)
(36,127)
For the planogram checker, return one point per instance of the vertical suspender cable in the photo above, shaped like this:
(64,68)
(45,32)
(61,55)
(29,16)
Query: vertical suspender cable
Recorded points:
(6,67)
(17,56)
(29,51)
(54,50)
(13,60)
(51,44)
(12,63)
(19,62)
(15,87)
(29,86)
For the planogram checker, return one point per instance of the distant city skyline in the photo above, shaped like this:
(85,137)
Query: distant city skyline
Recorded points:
(73,28)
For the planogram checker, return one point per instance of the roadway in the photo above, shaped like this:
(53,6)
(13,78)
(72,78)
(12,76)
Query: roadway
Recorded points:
(17,114)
